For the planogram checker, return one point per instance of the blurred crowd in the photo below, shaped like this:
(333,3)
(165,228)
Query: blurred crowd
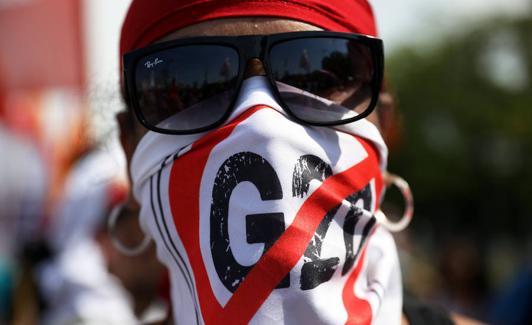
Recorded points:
(57,263)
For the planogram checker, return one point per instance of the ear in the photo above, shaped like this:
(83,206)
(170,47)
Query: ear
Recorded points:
(130,133)
(389,119)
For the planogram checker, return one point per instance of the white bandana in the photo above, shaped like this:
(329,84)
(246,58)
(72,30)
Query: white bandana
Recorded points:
(266,221)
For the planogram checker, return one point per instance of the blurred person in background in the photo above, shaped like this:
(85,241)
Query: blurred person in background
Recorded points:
(464,278)
(58,264)
(513,305)
(88,281)
(22,198)
(208,129)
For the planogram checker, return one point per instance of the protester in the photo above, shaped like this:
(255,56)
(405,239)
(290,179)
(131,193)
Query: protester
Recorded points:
(257,159)
(22,199)
(87,281)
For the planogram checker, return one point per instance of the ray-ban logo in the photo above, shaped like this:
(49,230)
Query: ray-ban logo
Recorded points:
(151,64)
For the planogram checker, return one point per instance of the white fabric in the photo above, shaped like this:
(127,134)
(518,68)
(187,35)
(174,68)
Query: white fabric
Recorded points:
(260,168)
(76,282)
(86,196)
(22,193)
(79,289)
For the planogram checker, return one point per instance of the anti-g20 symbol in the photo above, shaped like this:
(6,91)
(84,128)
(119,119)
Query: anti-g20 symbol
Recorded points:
(266,228)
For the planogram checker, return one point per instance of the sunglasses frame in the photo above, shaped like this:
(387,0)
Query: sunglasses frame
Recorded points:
(249,47)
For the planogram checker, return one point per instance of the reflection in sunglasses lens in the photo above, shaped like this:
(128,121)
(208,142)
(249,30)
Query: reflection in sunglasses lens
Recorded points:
(187,87)
(323,80)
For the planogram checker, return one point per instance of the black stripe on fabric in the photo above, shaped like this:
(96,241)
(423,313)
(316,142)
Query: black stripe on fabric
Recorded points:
(181,263)
(163,219)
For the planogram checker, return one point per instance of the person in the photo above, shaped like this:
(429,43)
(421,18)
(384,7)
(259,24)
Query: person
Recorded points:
(86,280)
(256,159)
(22,201)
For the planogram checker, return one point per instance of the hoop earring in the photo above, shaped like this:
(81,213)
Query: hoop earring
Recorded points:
(404,188)
(121,247)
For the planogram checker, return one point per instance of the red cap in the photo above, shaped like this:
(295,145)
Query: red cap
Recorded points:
(149,20)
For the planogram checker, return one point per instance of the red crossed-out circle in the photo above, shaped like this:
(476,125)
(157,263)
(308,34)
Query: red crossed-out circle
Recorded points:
(274,265)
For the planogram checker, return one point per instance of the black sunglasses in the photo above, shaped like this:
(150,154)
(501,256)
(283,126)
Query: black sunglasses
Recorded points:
(190,85)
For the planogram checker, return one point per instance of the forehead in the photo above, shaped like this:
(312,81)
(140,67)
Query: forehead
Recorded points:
(241,26)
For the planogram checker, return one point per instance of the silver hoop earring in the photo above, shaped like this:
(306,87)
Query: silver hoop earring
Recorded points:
(404,188)
(121,247)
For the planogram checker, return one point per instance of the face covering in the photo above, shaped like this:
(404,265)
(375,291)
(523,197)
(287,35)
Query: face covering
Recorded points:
(266,221)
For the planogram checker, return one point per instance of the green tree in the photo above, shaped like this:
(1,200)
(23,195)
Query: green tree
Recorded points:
(466,106)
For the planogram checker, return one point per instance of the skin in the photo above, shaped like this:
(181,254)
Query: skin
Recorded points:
(131,131)
(140,275)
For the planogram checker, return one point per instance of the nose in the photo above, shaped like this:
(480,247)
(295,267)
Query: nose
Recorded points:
(254,67)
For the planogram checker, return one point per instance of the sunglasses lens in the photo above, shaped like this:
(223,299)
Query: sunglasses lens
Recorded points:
(186,88)
(324,80)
